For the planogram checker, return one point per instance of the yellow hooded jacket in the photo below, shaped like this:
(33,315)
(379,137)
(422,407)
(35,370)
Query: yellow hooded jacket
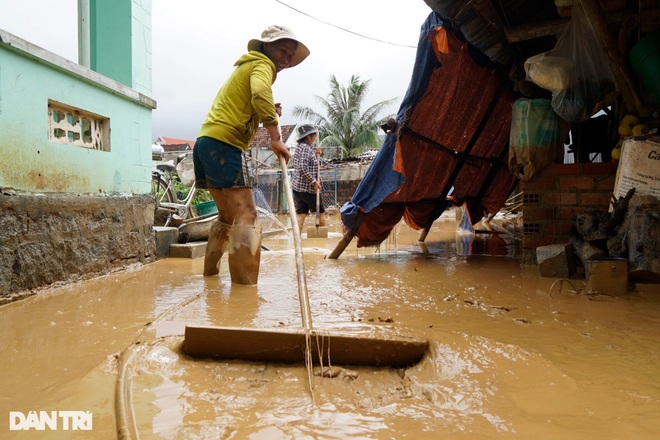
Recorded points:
(243,102)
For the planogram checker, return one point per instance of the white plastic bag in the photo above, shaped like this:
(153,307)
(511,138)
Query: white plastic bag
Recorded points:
(549,72)
(186,171)
(576,71)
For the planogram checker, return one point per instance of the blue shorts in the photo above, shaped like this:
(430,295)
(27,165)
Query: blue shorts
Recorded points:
(219,165)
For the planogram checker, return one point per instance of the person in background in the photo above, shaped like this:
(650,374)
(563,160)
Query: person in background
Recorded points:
(305,183)
(242,103)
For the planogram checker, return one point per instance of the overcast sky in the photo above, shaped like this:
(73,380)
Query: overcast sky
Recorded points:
(196,42)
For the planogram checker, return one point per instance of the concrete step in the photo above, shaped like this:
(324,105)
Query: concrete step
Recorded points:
(194,249)
(165,236)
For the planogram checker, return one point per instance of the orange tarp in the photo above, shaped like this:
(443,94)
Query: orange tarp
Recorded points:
(432,151)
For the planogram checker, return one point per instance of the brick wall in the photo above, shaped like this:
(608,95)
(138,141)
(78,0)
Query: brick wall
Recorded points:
(345,190)
(553,199)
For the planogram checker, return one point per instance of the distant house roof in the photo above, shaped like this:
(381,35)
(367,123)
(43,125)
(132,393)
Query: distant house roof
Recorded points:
(173,144)
(262,138)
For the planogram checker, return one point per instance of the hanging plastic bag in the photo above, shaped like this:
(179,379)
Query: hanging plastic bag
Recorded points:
(537,136)
(186,171)
(576,71)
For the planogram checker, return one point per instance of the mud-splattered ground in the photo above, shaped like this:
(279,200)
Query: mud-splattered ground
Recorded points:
(512,355)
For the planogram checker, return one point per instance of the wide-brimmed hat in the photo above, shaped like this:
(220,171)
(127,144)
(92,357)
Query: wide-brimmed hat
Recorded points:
(275,33)
(305,130)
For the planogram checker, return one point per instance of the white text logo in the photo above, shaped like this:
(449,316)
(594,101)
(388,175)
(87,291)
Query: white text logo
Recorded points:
(52,420)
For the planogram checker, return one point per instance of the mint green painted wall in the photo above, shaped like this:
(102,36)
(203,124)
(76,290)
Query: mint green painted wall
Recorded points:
(141,46)
(120,41)
(31,163)
(111,39)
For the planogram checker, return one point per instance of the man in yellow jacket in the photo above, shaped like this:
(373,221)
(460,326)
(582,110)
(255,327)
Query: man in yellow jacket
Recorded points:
(242,103)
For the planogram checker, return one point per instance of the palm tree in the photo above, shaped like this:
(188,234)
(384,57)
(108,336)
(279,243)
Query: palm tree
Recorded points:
(344,125)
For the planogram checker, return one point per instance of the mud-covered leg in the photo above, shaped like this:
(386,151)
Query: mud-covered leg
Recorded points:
(244,254)
(216,247)
(301,221)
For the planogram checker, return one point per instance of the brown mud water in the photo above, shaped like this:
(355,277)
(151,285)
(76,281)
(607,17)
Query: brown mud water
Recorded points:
(512,355)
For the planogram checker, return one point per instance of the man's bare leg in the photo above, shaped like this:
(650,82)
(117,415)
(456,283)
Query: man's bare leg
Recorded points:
(244,247)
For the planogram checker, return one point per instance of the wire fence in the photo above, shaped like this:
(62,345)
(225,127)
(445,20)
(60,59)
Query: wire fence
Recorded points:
(268,188)
(267,184)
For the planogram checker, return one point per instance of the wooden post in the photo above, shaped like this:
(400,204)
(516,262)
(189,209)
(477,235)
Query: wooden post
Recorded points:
(348,237)
(516,34)
(424,233)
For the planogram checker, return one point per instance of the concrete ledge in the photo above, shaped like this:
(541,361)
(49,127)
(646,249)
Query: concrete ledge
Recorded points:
(195,249)
(165,237)
(62,238)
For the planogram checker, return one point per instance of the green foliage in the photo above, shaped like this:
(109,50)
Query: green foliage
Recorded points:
(345,125)
(201,196)
(182,191)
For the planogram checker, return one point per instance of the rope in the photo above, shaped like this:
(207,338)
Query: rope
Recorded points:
(303,295)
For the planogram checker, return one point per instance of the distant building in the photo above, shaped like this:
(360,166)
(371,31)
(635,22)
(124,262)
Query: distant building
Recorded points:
(173,147)
(260,150)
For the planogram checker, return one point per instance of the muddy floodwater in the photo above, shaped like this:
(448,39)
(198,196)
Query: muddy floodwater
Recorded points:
(512,355)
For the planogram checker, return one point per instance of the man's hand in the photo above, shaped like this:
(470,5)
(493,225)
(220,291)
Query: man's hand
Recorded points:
(276,143)
(280,149)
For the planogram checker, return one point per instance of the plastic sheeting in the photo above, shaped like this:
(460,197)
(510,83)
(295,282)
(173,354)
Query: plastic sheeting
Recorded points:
(381,179)
(453,135)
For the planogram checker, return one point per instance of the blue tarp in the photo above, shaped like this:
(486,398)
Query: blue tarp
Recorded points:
(380,179)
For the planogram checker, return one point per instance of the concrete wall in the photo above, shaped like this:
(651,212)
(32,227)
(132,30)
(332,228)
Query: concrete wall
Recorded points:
(45,240)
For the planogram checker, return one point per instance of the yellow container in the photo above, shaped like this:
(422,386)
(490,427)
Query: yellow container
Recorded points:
(607,275)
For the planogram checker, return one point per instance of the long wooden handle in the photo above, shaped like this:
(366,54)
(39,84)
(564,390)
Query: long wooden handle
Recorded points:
(305,310)
(318,191)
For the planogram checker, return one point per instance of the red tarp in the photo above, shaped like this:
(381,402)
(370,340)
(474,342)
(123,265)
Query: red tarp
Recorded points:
(457,135)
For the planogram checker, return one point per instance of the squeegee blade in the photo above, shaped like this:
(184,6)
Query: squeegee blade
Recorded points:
(288,346)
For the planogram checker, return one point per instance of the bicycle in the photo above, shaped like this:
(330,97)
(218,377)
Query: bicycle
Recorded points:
(170,209)
(173,209)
